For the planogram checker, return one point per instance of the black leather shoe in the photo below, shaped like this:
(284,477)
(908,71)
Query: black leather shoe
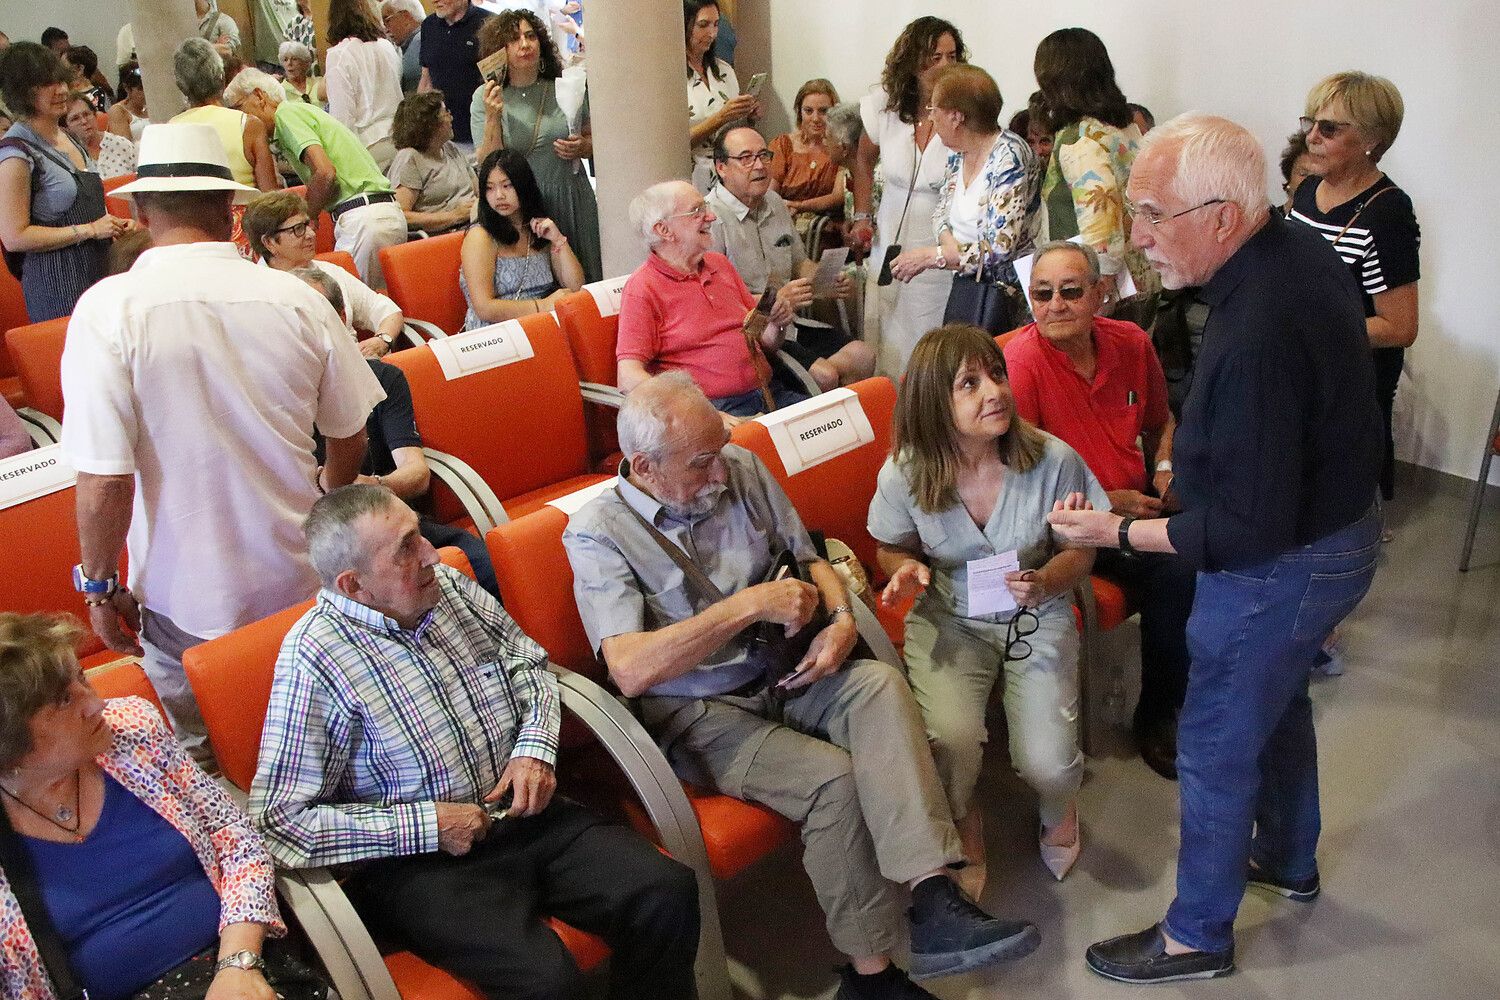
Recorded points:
(1142,958)
(892,984)
(1301,891)
(1158,746)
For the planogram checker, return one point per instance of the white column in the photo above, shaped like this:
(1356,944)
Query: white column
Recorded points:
(637,66)
(160,26)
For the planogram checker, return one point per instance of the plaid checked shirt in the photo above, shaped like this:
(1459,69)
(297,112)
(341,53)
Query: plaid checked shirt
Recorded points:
(371,725)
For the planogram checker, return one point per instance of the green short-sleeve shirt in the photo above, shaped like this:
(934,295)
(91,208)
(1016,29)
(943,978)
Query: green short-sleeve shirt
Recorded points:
(301,125)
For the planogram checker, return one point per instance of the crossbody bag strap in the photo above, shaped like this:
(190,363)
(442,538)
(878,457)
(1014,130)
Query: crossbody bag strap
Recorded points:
(707,589)
(23,885)
(1360,209)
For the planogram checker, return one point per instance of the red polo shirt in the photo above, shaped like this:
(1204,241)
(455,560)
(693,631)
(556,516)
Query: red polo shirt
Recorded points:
(1100,419)
(694,322)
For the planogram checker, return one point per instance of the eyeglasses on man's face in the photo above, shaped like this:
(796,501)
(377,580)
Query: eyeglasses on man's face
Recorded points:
(1154,217)
(749,160)
(693,213)
(1328,128)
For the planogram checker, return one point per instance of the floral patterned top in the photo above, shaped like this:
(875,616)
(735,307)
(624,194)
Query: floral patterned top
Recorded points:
(148,762)
(1009,183)
(1084,192)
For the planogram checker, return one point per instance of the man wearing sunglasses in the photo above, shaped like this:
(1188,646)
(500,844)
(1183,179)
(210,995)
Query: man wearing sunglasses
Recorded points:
(1096,383)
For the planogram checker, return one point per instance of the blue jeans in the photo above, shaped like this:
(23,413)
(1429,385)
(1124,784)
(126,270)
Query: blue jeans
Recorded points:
(1247,759)
(752,403)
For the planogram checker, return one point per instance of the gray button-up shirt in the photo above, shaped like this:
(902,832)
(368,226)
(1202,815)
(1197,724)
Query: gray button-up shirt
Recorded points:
(763,245)
(625,583)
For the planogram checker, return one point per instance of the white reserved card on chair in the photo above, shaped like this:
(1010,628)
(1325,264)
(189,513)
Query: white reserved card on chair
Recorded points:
(607,293)
(482,349)
(572,503)
(815,430)
(33,474)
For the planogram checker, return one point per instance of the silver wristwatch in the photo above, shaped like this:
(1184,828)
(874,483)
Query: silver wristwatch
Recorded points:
(245,960)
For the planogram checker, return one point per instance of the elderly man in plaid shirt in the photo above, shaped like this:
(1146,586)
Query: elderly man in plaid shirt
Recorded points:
(407,708)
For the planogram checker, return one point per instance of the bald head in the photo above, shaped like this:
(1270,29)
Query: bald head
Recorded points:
(658,412)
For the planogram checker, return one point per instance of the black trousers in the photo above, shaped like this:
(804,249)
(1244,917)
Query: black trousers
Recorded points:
(1161,586)
(479,916)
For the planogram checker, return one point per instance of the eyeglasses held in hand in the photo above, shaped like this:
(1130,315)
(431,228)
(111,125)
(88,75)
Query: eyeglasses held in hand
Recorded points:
(1152,217)
(1328,128)
(748,160)
(1068,293)
(298,230)
(1024,624)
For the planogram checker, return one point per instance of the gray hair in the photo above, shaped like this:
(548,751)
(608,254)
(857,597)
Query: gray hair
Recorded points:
(651,206)
(323,282)
(333,543)
(248,81)
(198,69)
(1213,158)
(1089,254)
(294,50)
(412,7)
(845,126)
(644,423)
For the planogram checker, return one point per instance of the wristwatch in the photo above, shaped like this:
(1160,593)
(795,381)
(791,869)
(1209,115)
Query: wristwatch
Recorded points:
(389,340)
(245,960)
(1126,548)
(95,588)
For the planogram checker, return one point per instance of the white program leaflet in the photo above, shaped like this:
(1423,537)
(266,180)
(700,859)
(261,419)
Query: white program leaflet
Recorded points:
(988,594)
(830,265)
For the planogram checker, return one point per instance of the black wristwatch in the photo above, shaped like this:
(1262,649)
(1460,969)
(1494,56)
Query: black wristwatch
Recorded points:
(1126,548)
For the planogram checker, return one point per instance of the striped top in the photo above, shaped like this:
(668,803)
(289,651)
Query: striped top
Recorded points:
(1381,240)
(371,725)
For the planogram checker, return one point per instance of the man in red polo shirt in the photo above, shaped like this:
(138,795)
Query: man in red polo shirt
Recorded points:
(687,308)
(1096,383)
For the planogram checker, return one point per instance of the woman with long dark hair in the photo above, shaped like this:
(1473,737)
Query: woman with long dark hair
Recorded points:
(515,262)
(913,163)
(714,98)
(1094,143)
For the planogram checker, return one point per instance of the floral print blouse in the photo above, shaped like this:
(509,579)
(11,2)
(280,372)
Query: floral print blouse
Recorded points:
(1009,180)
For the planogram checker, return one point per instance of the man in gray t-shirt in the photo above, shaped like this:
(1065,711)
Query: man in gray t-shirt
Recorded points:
(837,746)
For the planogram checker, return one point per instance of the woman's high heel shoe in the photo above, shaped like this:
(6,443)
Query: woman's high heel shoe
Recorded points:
(1060,858)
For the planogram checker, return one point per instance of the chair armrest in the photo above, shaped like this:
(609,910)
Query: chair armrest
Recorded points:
(473,492)
(874,634)
(660,791)
(337,934)
(604,395)
(44,430)
(794,367)
(419,331)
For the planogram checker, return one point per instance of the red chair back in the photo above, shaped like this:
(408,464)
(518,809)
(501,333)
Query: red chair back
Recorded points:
(342,258)
(591,338)
(36,351)
(536,581)
(122,207)
(124,680)
(12,314)
(422,277)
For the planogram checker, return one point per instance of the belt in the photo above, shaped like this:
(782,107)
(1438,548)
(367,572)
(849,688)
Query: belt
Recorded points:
(360,201)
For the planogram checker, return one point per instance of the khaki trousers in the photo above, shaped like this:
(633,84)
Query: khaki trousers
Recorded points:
(848,761)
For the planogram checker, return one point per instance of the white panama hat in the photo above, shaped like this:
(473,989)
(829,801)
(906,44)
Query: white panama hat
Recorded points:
(186,157)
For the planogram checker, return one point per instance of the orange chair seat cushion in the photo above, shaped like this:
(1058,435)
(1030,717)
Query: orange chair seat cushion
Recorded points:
(736,833)
(417,980)
(1111,602)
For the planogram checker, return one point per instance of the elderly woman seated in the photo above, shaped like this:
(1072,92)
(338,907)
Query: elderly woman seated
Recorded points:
(114,154)
(88,785)
(283,234)
(434,181)
(687,308)
(298,79)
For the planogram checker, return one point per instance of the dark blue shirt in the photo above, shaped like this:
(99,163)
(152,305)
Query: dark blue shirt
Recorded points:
(130,902)
(1281,438)
(449,54)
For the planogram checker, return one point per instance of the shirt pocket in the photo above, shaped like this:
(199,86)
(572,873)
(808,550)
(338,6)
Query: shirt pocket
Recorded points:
(933,532)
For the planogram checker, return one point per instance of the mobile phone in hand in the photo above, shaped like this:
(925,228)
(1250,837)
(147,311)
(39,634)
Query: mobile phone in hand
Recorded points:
(756,82)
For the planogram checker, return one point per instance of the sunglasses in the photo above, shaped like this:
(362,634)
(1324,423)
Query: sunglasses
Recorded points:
(1068,293)
(1327,127)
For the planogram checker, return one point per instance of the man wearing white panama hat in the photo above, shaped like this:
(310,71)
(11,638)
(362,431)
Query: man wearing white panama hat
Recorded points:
(192,383)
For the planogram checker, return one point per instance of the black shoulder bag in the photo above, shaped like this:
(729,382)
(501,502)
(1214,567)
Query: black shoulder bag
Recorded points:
(23,884)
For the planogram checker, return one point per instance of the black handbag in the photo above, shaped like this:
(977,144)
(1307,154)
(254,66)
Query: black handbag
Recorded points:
(23,885)
(984,304)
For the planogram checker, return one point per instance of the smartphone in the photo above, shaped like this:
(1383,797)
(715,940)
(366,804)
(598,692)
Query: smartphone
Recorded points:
(756,82)
(766,302)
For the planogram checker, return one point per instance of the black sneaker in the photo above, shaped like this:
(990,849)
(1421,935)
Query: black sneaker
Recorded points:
(949,934)
(1142,958)
(892,984)
(1301,891)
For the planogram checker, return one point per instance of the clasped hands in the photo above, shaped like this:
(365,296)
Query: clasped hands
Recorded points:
(791,603)
(461,825)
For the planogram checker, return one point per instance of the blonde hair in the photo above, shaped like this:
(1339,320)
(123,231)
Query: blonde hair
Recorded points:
(1374,104)
(926,443)
(37,665)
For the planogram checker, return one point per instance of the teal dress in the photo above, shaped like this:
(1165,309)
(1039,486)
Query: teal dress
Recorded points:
(567,192)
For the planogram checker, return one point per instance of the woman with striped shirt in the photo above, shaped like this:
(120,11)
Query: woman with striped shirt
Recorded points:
(1352,119)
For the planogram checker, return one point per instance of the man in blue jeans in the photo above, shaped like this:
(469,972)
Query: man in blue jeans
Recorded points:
(1277,459)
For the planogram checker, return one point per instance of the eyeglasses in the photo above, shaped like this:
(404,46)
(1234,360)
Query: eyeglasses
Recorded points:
(1023,624)
(1068,293)
(1152,217)
(748,160)
(298,229)
(692,213)
(1328,128)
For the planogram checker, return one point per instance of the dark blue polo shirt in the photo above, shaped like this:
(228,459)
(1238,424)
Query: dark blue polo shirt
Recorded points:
(449,54)
(1281,439)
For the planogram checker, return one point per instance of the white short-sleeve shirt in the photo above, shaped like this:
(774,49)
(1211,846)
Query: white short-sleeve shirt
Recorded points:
(204,376)
(364,307)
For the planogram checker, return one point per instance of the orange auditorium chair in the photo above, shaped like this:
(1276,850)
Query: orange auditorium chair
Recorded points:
(422,277)
(231,678)
(12,315)
(504,440)
(124,679)
(36,351)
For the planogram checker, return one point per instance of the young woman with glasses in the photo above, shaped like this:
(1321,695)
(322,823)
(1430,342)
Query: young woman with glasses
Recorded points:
(969,482)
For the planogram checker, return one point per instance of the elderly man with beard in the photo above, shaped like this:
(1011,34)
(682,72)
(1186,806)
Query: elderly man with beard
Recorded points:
(836,745)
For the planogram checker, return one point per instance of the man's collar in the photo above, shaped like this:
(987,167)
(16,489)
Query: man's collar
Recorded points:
(1227,278)
(725,199)
(663,266)
(173,253)
(644,503)
(375,621)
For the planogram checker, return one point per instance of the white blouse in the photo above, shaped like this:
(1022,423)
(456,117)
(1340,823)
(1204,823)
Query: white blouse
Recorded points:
(364,87)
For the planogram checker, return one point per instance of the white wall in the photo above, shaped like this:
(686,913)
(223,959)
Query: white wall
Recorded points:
(94,23)
(1254,63)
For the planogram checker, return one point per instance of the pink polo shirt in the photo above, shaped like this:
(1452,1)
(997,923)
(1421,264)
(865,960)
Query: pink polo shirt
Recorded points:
(694,322)
(1099,419)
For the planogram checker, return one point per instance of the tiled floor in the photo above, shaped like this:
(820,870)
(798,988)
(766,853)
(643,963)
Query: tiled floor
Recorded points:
(1410,763)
